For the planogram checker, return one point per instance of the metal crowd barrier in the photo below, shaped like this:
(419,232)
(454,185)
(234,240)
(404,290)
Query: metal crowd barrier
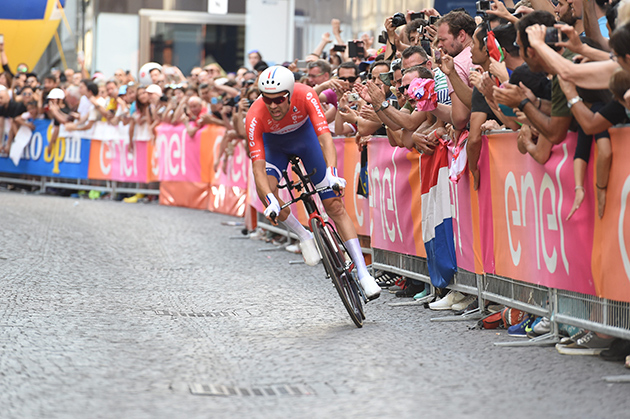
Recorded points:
(560,306)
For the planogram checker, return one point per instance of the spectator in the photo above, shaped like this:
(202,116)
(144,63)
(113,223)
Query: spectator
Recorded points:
(454,39)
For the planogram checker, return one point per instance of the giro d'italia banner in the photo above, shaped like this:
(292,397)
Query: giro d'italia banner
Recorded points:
(68,158)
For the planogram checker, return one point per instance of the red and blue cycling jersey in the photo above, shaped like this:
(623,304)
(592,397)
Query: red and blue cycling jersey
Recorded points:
(304,107)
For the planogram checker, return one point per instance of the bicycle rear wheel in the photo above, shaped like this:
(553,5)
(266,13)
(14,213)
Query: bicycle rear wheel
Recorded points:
(338,271)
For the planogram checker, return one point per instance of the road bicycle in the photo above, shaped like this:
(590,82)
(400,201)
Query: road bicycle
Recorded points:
(335,257)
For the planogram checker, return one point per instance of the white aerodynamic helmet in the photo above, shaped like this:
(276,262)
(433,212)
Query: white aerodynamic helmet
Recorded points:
(276,79)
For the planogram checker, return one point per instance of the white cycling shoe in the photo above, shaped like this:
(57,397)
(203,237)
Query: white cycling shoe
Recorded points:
(370,287)
(309,252)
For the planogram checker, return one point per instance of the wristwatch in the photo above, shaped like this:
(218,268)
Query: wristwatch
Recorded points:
(573,101)
(384,105)
(524,102)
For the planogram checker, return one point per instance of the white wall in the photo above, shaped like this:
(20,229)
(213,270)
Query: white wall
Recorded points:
(269,29)
(117,43)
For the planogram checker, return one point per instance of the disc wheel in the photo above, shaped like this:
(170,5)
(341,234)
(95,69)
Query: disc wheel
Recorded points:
(333,257)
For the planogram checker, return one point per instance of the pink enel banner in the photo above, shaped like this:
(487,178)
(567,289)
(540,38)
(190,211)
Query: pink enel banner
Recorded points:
(179,155)
(533,240)
(395,209)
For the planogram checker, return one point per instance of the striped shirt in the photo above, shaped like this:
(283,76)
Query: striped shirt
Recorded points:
(441,87)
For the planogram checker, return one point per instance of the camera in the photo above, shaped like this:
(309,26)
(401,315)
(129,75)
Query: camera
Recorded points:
(398,20)
(353,97)
(339,48)
(433,19)
(483,5)
(355,49)
(553,36)
(250,102)
(381,39)
(415,16)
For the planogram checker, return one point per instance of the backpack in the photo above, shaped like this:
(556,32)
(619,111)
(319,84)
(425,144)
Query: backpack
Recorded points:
(511,316)
(491,321)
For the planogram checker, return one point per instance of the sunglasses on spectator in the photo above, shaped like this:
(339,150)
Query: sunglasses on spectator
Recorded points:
(277,100)
(403,89)
(350,79)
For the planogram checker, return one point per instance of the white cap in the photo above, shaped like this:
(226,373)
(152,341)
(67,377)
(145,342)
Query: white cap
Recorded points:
(56,93)
(2,88)
(154,88)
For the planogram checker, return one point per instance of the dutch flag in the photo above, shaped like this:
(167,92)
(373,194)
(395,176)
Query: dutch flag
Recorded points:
(437,221)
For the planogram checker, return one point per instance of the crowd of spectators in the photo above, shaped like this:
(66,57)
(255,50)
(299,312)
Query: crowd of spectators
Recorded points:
(540,68)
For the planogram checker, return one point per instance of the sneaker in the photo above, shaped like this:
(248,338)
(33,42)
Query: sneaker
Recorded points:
(518,330)
(257,234)
(453,297)
(464,303)
(530,329)
(420,295)
(133,199)
(618,351)
(543,326)
(410,290)
(370,288)
(589,344)
(310,253)
(293,248)
(573,338)
(385,279)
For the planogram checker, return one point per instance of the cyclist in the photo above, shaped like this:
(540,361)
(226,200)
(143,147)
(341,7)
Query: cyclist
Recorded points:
(288,120)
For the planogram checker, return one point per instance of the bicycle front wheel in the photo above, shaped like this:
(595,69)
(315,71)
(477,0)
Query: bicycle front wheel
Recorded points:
(333,257)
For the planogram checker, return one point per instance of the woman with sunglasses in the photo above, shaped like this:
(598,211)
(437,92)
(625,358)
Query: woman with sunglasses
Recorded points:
(288,120)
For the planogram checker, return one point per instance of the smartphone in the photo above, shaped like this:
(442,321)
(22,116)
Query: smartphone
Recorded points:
(554,35)
(415,16)
(507,111)
(80,56)
(433,19)
(355,49)
(438,55)
(1,39)
(339,48)
(302,64)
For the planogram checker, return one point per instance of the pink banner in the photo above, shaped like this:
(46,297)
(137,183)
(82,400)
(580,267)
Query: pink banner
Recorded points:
(179,155)
(394,211)
(533,241)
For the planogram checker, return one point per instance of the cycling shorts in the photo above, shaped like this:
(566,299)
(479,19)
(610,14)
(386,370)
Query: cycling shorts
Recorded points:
(303,143)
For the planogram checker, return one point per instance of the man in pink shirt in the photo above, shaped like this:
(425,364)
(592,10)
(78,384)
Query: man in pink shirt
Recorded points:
(454,39)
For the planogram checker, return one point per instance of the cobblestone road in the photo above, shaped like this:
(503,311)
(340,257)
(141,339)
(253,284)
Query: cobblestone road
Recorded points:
(92,303)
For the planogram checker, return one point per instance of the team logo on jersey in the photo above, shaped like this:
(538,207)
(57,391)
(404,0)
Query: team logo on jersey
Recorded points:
(295,109)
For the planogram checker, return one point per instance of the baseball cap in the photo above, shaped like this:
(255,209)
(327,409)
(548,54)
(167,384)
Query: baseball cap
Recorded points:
(122,90)
(56,93)
(154,88)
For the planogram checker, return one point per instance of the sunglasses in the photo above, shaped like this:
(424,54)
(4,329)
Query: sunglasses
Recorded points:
(403,89)
(277,100)
(351,79)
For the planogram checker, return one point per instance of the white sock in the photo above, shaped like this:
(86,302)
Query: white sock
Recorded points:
(295,226)
(354,248)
